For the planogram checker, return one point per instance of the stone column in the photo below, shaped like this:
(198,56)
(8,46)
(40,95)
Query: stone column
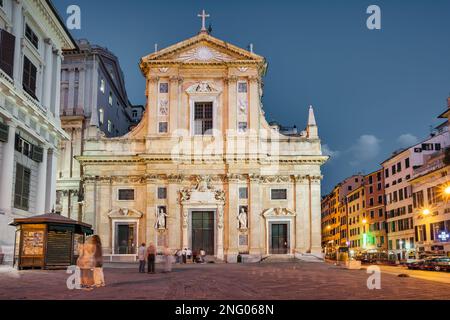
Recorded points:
(232,104)
(254,104)
(151,232)
(233,240)
(18,32)
(75,206)
(52,160)
(173,104)
(152,105)
(90,200)
(220,232)
(48,74)
(71,102)
(7,171)
(42,184)
(316,234)
(302,210)
(174,212)
(57,95)
(256,222)
(65,211)
(81,88)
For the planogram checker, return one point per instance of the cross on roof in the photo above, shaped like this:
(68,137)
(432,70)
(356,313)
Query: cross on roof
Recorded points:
(203,15)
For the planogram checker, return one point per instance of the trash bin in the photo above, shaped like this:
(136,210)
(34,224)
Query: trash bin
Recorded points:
(239,258)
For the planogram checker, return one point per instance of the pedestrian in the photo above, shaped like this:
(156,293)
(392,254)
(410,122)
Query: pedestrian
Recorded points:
(141,257)
(167,260)
(178,255)
(189,254)
(184,255)
(86,263)
(151,257)
(99,277)
(202,256)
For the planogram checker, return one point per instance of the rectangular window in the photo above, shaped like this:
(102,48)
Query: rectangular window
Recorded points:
(7,41)
(399,167)
(164,87)
(163,127)
(203,118)
(110,99)
(4,132)
(427,147)
(109,126)
(387,173)
(243,193)
(102,85)
(437,147)
(162,193)
(101,116)
(29,77)
(394,170)
(242,87)
(31,35)
(279,194)
(380,213)
(22,187)
(407,164)
(126,194)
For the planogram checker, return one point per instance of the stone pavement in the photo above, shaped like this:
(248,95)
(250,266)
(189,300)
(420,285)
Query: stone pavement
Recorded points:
(282,281)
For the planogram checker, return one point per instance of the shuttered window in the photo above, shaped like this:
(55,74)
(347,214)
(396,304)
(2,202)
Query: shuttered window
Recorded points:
(37,154)
(29,77)
(22,187)
(29,33)
(7,41)
(4,132)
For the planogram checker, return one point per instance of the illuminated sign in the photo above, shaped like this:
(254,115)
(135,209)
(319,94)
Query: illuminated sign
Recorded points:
(444,236)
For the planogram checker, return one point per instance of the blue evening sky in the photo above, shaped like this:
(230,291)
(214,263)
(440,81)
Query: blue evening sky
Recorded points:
(373,91)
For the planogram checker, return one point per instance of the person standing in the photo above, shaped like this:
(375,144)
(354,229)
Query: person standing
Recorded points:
(141,256)
(99,277)
(151,257)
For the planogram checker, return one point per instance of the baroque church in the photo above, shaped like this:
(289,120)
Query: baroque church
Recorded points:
(204,169)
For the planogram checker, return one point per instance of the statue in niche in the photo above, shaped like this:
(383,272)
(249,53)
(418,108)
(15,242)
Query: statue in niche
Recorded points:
(242,218)
(161,218)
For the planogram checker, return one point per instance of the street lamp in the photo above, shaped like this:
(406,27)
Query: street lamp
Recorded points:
(426,212)
(447,190)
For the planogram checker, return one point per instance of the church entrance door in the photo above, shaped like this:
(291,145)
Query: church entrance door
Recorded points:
(279,241)
(203,231)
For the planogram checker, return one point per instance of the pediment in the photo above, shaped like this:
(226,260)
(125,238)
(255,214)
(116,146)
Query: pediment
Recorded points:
(203,48)
(124,213)
(278,212)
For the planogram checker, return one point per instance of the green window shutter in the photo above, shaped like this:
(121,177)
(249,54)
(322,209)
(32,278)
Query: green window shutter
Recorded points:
(37,154)
(4,130)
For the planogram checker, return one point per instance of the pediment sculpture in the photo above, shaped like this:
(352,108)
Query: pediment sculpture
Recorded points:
(124,213)
(277,212)
(203,87)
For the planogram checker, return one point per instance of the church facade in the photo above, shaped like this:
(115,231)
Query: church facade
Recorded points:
(204,169)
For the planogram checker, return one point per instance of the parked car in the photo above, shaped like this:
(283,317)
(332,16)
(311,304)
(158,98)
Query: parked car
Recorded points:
(438,264)
(417,264)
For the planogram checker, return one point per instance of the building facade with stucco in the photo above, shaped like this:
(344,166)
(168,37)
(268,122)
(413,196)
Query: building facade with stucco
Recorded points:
(204,169)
